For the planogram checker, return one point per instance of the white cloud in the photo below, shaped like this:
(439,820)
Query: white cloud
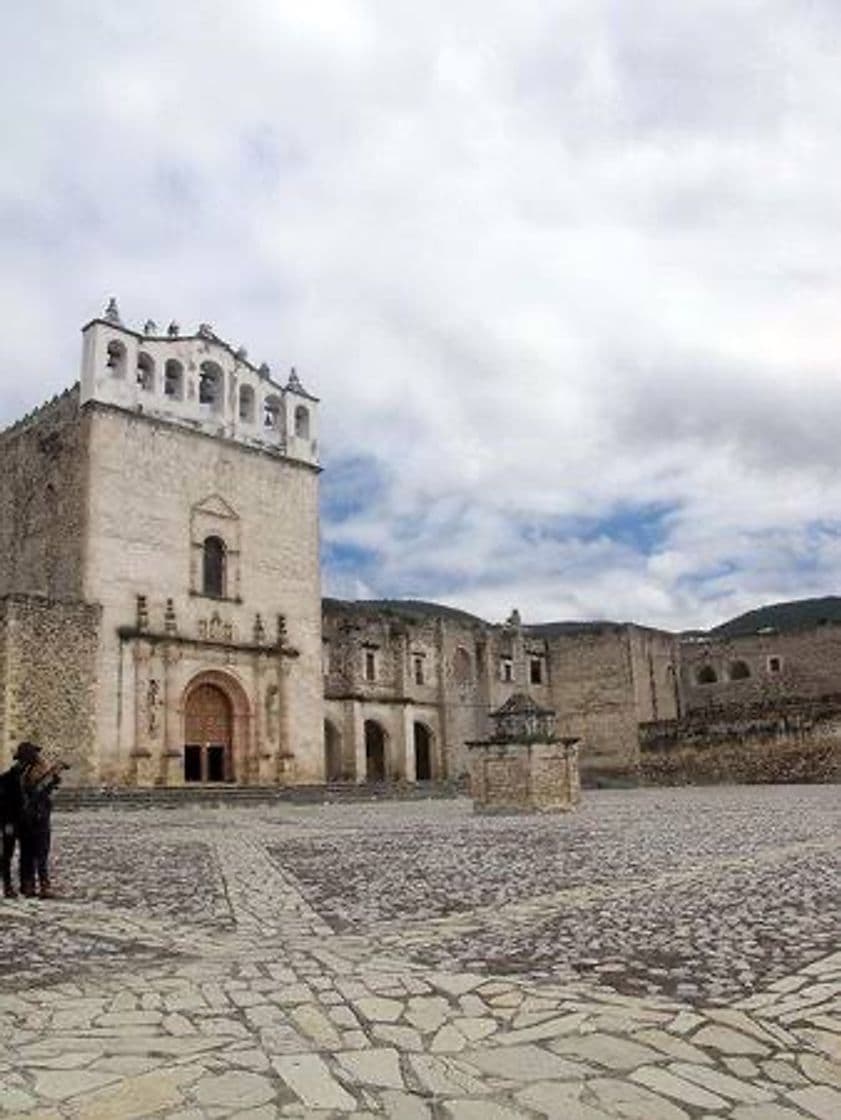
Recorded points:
(540,262)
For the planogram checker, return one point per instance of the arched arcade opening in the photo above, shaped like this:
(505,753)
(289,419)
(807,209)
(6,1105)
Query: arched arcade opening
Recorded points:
(424,762)
(376,754)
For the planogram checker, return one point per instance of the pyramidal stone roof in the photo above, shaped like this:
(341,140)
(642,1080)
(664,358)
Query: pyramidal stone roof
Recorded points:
(521,704)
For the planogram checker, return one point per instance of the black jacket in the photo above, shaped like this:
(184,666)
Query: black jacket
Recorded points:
(11,795)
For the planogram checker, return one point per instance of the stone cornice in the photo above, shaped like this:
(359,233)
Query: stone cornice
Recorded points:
(186,428)
(157,637)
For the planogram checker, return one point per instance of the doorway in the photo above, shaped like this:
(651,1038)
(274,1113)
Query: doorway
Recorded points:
(208,735)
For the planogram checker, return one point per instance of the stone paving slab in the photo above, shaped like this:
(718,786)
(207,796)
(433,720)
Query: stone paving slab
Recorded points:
(659,956)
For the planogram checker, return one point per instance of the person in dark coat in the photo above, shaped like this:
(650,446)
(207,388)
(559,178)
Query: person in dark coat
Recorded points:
(38,780)
(11,805)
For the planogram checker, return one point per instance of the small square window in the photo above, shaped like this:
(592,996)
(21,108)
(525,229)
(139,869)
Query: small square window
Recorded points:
(370,666)
(506,670)
(536,670)
(775,664)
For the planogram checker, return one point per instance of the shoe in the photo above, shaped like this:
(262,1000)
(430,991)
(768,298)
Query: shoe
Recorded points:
(46,890)
(9,891)
(27,890)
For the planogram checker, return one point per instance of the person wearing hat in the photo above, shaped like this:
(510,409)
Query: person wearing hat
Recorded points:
(11,808)
(38,779)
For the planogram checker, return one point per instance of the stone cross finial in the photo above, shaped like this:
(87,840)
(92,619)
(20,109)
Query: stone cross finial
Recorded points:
(142,613)
(294,381)
(112,312)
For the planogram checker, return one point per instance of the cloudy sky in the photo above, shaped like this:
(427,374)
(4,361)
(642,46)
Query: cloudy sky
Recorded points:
(565,274)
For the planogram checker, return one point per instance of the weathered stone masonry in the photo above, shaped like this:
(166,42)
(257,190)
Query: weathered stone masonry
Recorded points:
(47,677)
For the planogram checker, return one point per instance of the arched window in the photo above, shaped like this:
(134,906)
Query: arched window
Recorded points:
(246,404)
(271,413)
(174,380)
(116,358)
(707,675)
(213,567)
(211,386)
(145,372)
(462,668)
(739,671)
(302,422)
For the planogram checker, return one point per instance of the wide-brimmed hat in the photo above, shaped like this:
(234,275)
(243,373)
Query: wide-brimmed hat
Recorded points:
(27,752)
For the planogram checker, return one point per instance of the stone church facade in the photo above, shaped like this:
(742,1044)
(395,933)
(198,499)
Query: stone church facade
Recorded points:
(161,619)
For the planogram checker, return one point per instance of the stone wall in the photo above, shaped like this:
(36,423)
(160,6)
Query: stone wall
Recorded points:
(762,668)
(593,692)
(524,777)
(791,741)
(47,679)
(43,469)
(655,666)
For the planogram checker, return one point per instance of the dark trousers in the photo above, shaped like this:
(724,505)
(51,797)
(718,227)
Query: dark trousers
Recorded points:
(8,853)
(35,853)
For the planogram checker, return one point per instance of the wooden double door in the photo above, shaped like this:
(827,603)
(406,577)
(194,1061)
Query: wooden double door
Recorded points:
(208,735)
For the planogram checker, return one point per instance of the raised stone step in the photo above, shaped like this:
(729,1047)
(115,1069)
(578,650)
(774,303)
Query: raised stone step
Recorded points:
(95,797)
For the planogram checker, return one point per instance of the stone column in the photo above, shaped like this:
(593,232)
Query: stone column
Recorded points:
(408,736)
(358,740)
(285,770)
(348,729)
(172,762)
(140,756)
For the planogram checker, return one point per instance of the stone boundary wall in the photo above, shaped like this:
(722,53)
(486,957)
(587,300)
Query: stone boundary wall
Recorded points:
(48,653)
(212,797)
(795,741)
(767,668)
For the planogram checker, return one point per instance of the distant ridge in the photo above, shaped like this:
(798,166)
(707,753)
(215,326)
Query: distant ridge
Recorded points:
(421,608)
(402,608)
(799,614)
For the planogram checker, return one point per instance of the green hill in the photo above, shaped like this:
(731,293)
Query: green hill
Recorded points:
(800,614)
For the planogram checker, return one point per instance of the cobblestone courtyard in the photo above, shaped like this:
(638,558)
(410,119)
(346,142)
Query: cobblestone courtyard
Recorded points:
(659,955)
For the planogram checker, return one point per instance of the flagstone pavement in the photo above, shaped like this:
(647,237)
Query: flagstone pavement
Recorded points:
(659,955)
